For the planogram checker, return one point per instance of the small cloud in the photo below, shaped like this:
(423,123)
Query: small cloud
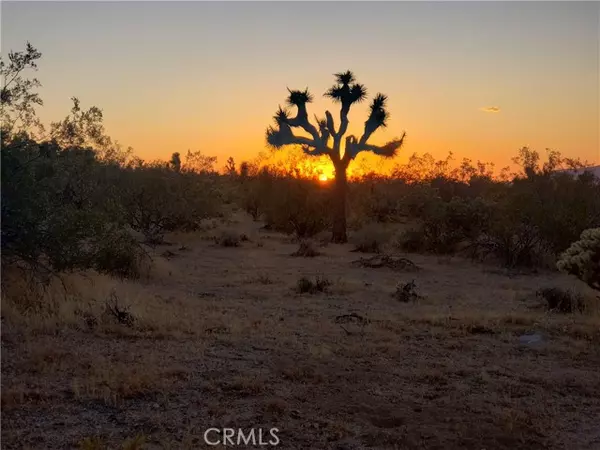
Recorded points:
(490,109)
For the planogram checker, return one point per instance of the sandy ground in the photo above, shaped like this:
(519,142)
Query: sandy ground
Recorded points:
(221,339)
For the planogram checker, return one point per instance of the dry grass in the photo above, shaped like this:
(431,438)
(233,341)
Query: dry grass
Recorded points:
(220,338)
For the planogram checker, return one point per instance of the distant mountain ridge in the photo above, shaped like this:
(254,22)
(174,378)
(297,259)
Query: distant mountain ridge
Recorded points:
(593,169)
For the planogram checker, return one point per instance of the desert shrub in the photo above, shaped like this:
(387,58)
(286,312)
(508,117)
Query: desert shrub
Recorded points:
(445,225)
(298,206)
(264,278)
(58,209)
(538,216)
(120,256)
(307,286)
(370,239)
(406,292)
(158,199)
(525,222)
(376,198)
(58,191)
(417,199)
(412,240)
(582,258)
(70,196)
(512,244)
(229,238)
(456,221)
(562,301)
(306,249)
(115,309)
(559,205)
(255,187)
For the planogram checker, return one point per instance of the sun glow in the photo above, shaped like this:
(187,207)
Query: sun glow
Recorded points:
(294,162)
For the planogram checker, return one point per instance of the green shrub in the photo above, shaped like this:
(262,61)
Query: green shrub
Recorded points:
(157,199)
(69,198)
(59,211)
(120,256)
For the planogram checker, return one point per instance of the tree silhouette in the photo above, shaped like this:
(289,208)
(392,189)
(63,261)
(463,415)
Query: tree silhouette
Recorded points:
(346,92)
(18,98)
(175,162)
(230,166)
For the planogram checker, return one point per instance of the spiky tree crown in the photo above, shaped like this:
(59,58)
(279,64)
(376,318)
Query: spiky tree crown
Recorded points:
(299,98)
(379,112)
(281,116)
(347,92)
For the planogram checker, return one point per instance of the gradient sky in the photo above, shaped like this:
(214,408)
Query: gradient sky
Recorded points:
(209,75)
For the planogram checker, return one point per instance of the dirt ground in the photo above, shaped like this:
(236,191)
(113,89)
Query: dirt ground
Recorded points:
(220,338)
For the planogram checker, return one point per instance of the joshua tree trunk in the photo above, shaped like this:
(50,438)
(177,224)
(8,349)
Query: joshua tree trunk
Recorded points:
(339,213)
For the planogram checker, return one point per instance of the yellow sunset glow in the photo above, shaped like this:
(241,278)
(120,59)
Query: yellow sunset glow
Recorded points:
(504,93)
(323,177)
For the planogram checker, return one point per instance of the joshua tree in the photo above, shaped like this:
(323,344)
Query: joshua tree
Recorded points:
(346,91)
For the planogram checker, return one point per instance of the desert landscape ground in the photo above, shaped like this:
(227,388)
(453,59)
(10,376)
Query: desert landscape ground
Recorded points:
(220,337)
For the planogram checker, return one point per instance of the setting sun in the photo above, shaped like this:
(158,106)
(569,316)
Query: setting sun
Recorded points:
(323,177)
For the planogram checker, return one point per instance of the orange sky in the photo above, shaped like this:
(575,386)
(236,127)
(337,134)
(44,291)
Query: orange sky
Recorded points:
(209,75)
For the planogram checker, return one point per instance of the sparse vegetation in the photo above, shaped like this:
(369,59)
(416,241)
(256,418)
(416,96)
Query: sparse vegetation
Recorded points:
(389,261)
(119,312)
(370,239)
(229,238)
(562,301)
(306,285)
(406,292)
(306,250)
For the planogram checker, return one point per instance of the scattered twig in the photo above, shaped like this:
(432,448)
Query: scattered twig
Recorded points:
(122,315)
(392,262)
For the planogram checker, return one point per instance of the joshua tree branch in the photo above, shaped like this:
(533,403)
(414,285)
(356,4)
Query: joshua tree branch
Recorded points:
(284,136)
(303,122)
(388,150)
(330,124)
(366,135)
(343,121)
(316,151)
